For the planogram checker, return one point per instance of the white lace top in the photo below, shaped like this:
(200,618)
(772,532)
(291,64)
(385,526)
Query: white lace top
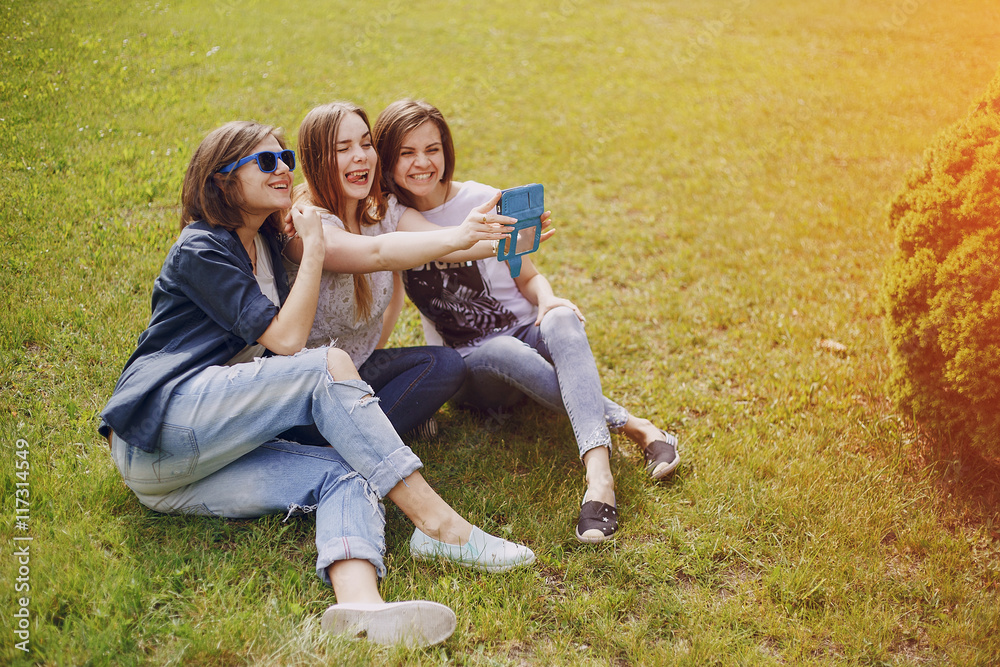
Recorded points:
(335,323)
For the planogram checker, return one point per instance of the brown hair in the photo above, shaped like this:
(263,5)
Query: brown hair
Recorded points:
(217,198)
(391,127)
(322,187)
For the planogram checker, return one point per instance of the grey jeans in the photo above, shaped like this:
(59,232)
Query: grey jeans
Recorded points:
(551,364)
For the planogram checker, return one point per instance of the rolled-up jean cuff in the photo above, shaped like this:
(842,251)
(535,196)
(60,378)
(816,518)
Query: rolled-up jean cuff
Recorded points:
(615,415)
(594,445)
(347,548)
(393,469)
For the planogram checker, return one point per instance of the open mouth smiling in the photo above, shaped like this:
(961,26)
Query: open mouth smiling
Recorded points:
(357,177)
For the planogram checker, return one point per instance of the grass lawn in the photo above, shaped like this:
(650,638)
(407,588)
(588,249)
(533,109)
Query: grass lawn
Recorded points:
(719,173)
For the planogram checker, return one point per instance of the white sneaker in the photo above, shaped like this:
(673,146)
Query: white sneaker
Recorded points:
(411,623)
(482,552)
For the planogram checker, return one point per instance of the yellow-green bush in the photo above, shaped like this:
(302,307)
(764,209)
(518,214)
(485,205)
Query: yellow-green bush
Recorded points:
(941,289)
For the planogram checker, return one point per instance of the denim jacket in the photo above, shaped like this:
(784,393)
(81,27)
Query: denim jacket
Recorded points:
(207,306)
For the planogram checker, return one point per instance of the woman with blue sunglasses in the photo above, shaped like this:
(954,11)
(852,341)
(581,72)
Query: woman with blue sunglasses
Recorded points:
(195,419)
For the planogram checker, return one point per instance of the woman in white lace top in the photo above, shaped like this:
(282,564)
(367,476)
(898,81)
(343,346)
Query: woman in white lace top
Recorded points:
(359,289)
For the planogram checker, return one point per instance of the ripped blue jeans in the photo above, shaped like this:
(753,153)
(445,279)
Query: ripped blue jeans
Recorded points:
(551,364)
(219,453)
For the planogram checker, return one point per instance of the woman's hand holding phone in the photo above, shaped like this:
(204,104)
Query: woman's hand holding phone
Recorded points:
(484,224)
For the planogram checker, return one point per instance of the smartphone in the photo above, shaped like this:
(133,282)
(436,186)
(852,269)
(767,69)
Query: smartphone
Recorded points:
(526,203)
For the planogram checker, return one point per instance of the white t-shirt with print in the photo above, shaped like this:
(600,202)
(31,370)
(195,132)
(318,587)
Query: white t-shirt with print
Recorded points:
(464,304)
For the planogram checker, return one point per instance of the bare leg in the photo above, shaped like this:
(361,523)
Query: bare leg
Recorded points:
(361,612)
(340,365)
(598,514)
(354,580)
(429,512)
(441,531)
(600,481)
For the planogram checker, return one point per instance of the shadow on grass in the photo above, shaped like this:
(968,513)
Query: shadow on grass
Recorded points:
(966,483)
(965,479)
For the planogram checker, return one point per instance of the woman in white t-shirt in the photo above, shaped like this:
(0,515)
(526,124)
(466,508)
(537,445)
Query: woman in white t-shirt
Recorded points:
(339,163)
(516,336)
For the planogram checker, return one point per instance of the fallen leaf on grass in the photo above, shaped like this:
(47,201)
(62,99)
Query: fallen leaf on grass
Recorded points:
(831,345)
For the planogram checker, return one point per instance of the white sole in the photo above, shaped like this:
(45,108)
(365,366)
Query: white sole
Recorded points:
(664,469)
(592,539)
(412,623)
(479,553)
(488,569)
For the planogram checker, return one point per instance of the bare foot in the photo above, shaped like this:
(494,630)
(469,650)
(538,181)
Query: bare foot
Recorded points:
(451,529)
(602,493)
(641,431)
(429,512)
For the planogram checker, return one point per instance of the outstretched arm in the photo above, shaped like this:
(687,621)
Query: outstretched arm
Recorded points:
(414,221)
(354,253)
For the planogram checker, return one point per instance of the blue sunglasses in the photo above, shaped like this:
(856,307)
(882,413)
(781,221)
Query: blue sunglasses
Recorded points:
(267,161)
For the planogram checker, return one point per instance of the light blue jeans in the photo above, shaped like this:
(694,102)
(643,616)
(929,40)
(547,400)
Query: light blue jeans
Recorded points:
(552,364)
(219,453)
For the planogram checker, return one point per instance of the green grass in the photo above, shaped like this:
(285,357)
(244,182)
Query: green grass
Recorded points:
(719,172)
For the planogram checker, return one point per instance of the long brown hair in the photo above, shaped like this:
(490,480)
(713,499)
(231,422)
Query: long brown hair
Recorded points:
(217,198)
(317,154)
(391,127)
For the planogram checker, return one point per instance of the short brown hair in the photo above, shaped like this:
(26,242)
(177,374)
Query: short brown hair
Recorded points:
(391,127)
(217,198)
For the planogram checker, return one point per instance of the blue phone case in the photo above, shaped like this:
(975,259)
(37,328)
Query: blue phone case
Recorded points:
(526,203)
